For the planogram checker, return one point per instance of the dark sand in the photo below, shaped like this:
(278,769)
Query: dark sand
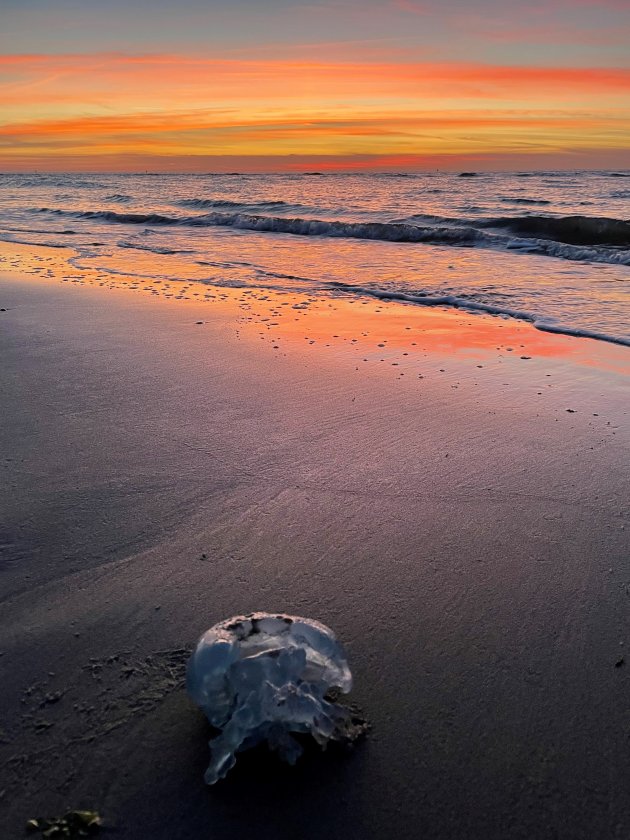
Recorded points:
(466,536)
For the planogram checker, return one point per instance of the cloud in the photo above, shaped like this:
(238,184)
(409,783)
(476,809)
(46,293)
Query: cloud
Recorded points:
(117,104)
(114,74)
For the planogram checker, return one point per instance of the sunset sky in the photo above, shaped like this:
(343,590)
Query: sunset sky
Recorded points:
(273,85)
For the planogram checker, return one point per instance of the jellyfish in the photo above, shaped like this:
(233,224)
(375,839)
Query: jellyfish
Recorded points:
(267,677)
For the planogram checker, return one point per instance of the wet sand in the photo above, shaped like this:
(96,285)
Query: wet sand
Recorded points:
(448,492)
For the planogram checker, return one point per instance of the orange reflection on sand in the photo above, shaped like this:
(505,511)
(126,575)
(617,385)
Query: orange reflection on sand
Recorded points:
(364,328)
(402,327)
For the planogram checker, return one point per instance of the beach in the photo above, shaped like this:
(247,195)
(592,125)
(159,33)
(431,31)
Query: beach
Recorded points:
(448,491)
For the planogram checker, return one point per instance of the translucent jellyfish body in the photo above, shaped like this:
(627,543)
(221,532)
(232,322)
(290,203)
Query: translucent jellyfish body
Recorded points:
(264,677)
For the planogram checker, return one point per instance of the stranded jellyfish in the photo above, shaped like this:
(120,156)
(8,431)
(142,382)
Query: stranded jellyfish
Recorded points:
(267,677)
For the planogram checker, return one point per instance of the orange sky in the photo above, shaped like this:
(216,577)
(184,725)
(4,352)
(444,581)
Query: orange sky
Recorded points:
(358,105)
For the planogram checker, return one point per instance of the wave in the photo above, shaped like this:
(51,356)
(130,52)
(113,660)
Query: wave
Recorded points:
(507,200)
(385,231)
(29,181)
(154,249)
(574,253)
(573,230)
(119,198)
(230,264)
(577,238)
(65,232)
(113,216)
(465,303)
(224,203)
(5,237)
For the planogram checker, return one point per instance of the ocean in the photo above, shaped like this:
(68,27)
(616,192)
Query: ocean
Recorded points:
(551,248)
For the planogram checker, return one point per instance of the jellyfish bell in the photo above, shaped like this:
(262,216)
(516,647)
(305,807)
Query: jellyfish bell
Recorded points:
(265,677)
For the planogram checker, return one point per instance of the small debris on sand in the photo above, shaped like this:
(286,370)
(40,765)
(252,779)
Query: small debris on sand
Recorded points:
(73,824)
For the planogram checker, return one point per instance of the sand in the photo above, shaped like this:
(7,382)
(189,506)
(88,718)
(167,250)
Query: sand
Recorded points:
(459,515)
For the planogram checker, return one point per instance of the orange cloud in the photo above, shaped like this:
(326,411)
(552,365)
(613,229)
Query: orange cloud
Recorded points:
(224,120)
(111,104)
(289,76)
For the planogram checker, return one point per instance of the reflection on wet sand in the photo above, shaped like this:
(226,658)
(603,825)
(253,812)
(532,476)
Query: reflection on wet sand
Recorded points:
(390,333)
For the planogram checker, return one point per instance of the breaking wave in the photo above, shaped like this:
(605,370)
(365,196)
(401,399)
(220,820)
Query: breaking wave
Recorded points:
(573,230)
(576,238)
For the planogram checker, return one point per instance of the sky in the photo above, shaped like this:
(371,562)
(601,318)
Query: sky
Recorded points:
(291,85)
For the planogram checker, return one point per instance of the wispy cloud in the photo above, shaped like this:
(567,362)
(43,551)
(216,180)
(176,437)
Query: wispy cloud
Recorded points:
(114,104)
(186,75)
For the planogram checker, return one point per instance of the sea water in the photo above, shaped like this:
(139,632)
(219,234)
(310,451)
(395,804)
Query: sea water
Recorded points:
(552,248)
